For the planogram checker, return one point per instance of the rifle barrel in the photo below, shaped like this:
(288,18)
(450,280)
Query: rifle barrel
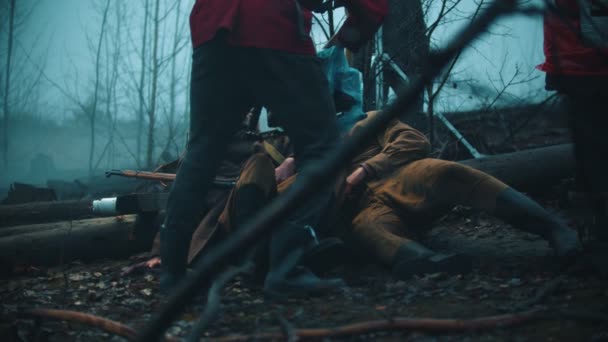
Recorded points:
(220,182)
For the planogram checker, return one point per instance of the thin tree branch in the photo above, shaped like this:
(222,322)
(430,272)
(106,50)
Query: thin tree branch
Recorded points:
(327,36)
(101,323)
(214,301)
(430,325)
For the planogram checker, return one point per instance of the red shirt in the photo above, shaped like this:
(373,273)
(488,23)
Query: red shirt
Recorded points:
(565,52)
(273,24)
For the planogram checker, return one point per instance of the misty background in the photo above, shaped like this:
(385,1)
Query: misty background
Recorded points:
(95,85)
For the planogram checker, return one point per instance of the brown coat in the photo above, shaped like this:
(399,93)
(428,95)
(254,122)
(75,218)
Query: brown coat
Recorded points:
(407,190)
(236,165)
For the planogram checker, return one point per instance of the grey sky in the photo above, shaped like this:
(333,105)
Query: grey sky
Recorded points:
(62,26)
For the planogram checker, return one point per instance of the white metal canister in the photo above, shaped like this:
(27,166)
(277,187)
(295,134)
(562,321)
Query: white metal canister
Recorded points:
(105,206)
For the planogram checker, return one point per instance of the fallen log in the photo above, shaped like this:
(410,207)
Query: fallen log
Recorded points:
(56,243)
(39,212)
(30,213)
(533,170)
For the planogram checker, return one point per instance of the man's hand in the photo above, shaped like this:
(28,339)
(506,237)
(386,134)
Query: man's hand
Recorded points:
(354,179)
(285,170)
(153,263)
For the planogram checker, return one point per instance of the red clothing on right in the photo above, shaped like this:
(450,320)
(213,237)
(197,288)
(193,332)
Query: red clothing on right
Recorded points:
(273,24)
(565,52)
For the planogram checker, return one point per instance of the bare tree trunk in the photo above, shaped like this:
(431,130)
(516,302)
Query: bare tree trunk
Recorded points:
(7,82)
(173,84)
(330,20)
(362,61)
(155,72)
(93,113)
(405,41)
(174,79)
(142,82)
(112,57)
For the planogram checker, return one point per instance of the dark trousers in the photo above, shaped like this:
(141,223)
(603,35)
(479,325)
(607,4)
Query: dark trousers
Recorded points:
(226,82)
(586,101)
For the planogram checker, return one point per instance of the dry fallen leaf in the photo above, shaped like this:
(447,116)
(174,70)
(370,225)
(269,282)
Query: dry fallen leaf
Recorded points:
(75,277)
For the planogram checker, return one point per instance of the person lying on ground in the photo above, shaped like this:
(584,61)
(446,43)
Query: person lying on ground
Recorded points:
(391,193)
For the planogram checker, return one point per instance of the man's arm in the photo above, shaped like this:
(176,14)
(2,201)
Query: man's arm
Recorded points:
(364,18)
(399,144)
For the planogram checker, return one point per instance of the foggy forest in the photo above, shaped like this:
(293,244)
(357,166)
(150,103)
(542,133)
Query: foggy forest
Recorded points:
(95,121)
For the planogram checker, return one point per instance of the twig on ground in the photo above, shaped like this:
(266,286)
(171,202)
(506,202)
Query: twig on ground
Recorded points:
(214,299)
(430,325)
(101,323)
(84,318)
(288,329)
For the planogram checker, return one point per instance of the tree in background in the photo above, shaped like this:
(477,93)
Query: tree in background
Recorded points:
(158,78)
(141,84)
(406,40)
(7,81)
(408,36)
(92,111)
(113,50)
(156,22)
(18,85)
(180,40)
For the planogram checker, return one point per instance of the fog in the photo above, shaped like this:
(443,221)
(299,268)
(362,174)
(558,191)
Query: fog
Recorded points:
(53,80)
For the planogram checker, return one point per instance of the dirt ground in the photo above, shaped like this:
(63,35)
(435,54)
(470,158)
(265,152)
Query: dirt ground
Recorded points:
(514,272)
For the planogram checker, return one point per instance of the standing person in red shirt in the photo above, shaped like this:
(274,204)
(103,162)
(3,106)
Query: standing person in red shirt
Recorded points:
(576,66)
(259,52)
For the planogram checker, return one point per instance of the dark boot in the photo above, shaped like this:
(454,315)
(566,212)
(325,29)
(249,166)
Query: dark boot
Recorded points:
(174,255)
(248,200)
(413,258)
(286,276)
(523,213)
(318,257)
(325,255)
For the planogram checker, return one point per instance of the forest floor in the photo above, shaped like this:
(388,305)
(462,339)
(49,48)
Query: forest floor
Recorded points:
(514,273)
